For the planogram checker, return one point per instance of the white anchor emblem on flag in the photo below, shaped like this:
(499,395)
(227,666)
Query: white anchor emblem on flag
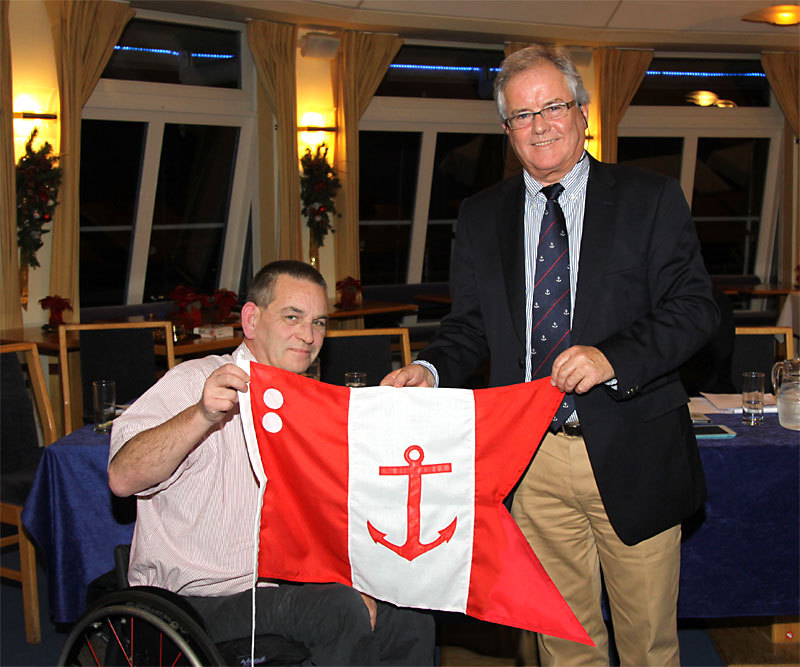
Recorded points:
(547,292)
(554,325)
(558,279)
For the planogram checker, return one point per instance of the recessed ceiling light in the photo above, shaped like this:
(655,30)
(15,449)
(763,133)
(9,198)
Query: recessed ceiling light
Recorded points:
(776,15)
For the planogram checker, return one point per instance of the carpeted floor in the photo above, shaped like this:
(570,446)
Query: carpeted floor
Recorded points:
(463,641)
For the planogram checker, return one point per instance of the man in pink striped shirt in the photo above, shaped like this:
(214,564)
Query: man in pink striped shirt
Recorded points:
(181,449)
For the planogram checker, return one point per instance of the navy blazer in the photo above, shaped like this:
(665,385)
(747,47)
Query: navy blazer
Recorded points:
(643,298)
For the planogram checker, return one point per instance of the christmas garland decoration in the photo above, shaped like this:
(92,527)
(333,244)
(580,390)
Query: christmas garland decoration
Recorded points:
(38,180)
(318,187)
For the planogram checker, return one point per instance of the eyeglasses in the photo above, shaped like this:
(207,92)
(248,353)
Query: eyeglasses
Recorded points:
(525,119)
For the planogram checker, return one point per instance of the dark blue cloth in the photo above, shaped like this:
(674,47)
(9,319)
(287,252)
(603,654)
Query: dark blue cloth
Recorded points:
(741,553)
(75,519)
(551,296)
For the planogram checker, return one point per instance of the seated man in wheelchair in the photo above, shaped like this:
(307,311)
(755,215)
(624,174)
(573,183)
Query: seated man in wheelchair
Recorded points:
(181,449)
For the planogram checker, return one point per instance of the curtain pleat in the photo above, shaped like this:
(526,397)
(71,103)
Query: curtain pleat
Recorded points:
(782,73)
(84,35)
(274,48)
(619,74)
(357,71)
(10,307)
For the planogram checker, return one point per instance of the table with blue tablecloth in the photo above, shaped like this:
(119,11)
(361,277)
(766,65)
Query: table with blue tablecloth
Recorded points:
(75,519)
(739,555)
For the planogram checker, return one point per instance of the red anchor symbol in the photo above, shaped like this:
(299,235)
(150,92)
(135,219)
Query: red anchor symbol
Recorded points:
(413,547)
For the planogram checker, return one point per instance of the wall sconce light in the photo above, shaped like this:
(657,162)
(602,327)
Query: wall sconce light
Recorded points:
(33,112)
(776,15)
(313,132)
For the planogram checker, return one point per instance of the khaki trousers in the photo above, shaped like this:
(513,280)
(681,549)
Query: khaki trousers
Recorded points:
(558,508)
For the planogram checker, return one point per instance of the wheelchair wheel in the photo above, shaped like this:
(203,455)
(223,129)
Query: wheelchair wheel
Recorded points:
(138,628)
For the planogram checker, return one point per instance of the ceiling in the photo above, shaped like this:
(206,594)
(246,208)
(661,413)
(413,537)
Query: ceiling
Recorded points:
(675,25)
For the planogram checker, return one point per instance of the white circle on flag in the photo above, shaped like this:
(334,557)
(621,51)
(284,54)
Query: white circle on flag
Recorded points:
(272,423)
(273,398)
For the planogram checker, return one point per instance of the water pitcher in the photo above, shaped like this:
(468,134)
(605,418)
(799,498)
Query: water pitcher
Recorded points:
(786,383)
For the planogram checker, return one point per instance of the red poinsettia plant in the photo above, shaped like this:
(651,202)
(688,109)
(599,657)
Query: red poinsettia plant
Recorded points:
(348,293)
(56,305)
(224,300)
(190,304)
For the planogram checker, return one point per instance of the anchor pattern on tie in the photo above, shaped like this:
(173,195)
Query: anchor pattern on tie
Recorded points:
(551,296)
(413,546)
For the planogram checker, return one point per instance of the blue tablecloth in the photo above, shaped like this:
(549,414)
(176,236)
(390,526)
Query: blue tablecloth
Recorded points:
(739,555)
(75,519)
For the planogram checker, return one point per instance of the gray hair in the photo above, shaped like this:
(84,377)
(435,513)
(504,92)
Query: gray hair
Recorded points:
(262,289)
(535,56)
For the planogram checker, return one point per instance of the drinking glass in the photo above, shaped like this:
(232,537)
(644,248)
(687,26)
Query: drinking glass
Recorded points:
(752,398)
(355,379)
(105,399)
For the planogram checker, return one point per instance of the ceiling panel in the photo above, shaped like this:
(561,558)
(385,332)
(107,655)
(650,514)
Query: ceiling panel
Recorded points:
(701,15)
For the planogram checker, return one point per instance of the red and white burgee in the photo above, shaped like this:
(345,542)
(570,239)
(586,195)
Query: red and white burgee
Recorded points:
(398,493)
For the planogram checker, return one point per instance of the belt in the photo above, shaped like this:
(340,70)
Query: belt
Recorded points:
(571,429)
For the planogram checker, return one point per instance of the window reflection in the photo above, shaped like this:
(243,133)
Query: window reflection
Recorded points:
(111,157)
(726,204)
(191,207)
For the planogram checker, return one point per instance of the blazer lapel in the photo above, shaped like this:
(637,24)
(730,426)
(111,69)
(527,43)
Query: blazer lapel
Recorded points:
(510,227)
(599,222)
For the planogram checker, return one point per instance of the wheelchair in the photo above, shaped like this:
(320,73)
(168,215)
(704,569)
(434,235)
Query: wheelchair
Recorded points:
(143,626)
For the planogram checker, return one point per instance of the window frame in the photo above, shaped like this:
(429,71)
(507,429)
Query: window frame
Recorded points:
(428,117)
(157,104)
(693,123)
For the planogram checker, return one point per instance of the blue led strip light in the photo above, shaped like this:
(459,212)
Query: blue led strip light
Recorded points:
(443,68)
(168,52)
(704,74)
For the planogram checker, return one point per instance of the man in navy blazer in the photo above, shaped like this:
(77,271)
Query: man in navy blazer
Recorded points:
(608,490)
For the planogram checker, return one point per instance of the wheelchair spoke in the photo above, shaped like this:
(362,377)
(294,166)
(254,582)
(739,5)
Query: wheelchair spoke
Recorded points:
(91,649)
(119,643)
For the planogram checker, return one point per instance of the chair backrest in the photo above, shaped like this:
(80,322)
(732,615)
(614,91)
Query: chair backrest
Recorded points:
(755,349)
(18,431)
(368,350)
(123,352)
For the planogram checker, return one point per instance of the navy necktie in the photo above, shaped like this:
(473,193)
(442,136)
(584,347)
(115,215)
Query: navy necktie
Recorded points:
(551,296)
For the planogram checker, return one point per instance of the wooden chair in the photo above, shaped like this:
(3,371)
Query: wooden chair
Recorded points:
(20,457)
(368,350)
(755,349)
(123,352)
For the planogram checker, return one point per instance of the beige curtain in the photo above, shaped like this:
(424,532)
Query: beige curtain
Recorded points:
(84,35)
(357,71)
(619,74)
(10,308)
(274,48)
(782,73)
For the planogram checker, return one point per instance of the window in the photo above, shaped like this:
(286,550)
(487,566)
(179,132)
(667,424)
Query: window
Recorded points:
(430,138)
(725,158)
(669,81)
(166,169)
(434,71)
(162,52)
